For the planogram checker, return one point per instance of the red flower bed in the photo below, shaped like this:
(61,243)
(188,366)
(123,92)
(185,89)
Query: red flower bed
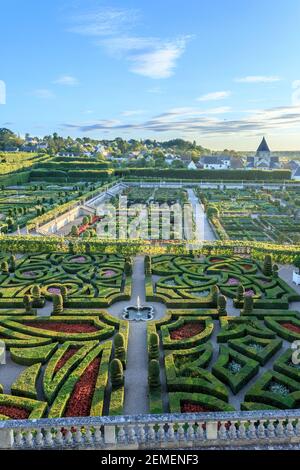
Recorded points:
(66,356)
(247,266)
(216,260)
(14,412)
(291,327)
(187,331)
(62,327)
(80,401)
(188,407)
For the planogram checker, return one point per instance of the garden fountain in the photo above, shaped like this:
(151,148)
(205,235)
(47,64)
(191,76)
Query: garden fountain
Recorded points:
(138,312)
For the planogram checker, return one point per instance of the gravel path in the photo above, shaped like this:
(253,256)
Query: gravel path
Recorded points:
(136,375)
(203,230)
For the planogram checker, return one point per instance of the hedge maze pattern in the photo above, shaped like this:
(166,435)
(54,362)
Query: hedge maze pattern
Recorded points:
(215,362)
(66,356)
(90,280)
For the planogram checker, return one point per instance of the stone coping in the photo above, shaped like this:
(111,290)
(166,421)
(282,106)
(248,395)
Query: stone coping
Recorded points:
(151,419)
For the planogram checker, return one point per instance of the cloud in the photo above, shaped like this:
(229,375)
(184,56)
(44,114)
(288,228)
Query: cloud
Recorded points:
(104,21)
(67,80)
(159,62)
(152,57)
(258,79)
(217,95)
(43,93)
(187,120)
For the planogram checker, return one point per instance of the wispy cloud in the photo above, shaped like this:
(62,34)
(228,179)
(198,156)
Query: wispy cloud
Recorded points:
(111,29)
(43,93)
(216,95)
(258,79)
(187,120)
(67,80)
(103,21)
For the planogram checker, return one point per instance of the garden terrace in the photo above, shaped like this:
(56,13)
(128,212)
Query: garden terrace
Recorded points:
(90,280)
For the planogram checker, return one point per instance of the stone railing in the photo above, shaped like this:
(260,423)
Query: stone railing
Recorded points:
(167,431)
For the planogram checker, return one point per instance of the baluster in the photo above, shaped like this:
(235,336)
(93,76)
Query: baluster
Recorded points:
(151,433)
(48,438)
(141,435)
(271,429)
(19,438)
(289,430)
(200,434)
(252,430)
(131,433)
(29,438)
(180,432)
(297,428)
(121,435)
(59,438)
(78,436)
(242,431)
(89,436)
(69,437)
(190,432)
(232,431)
(98,435)
(280,429)
(261,432)
(161,433)
(39,438)
(222,431)
(171,433)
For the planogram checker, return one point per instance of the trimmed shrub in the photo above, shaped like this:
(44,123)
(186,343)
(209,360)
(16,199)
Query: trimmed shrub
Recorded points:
(215,292)
(153,377)
(116,373)
(154,346)
(240,293)
(58,305)
(267,266)
(12,264)
(119,344)
(27,303)
(64,293)
(222,305)
(248,305)
(4,267)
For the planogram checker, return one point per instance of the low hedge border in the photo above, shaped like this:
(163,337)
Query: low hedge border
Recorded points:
(235,381)
(30,356)
(105,331)
(26,383)
(200,338)
(192,377)
(60,403)
(52,380)
(270,347)
(37,408)
(207,401)
(259,391)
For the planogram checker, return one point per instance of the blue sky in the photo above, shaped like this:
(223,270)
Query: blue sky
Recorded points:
(222,72)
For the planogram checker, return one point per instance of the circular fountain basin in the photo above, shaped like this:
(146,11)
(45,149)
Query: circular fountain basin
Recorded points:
(143,313)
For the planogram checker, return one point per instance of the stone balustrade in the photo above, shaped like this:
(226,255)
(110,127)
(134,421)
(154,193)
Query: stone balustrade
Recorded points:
(167,431)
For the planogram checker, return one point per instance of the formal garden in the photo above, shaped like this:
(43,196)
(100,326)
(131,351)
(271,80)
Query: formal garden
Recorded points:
(254,214)
(223,344)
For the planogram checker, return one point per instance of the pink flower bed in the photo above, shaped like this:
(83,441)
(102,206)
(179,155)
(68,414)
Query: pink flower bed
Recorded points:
(62,327)
(109,273)
(233,282)
(78,259)
(29,274)
(54,290)
(249,293)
